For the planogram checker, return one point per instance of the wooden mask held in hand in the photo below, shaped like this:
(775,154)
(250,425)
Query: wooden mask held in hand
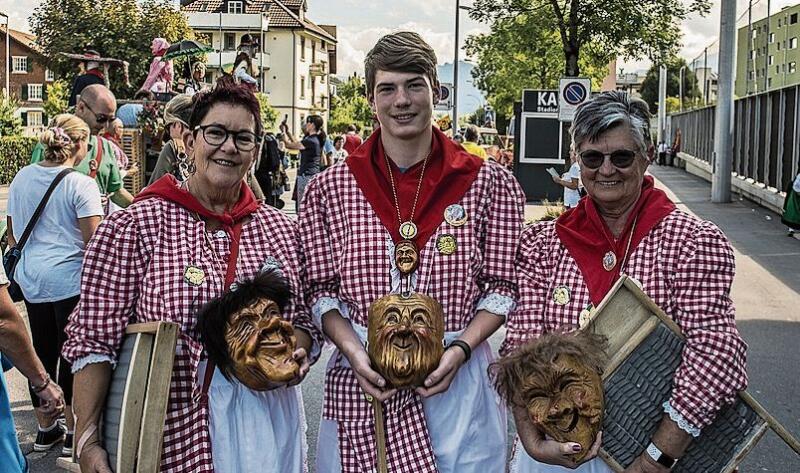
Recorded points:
(245,335)
(404,337)
(556,379)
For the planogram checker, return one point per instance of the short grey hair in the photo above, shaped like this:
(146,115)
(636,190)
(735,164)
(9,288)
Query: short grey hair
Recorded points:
(609,110)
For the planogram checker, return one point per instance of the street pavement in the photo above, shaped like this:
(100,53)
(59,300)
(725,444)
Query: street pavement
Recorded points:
(766,292)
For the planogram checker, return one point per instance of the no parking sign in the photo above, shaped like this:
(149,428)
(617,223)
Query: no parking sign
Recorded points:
(572,92)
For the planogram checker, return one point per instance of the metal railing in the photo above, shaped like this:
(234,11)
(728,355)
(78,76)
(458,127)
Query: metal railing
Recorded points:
(766,136)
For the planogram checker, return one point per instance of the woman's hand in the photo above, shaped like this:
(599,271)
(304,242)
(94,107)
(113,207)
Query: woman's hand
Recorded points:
(371,382)
(439,380)
(94,459)
(556,179)
(549,451)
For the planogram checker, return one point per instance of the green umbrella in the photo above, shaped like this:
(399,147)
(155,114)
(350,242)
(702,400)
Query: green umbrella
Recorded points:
(186,48)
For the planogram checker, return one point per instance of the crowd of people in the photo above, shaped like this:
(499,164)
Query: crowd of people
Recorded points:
(408,212)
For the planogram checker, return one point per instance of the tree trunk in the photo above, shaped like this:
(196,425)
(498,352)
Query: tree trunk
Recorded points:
(571,54)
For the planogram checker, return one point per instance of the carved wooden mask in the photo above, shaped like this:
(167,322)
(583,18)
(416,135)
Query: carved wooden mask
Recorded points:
(406,257)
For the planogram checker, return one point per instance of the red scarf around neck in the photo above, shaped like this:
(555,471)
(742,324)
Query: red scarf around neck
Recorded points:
(587,237)
(448,175)
(96,72)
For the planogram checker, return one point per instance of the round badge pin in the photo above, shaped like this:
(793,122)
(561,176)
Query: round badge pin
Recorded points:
(408,230)
(446,244)
(561,295)
(194,275)
(455,215)
(609,261)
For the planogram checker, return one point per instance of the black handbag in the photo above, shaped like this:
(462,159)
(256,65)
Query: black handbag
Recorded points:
(12,256)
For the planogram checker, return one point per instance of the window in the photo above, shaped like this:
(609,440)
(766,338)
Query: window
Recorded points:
(772,38)
(755,33)
(19,64)
(235,7)
(771,60)
(230,41)
(302,48)
(779,22)
(35,118)
(49,75)
(779,45)
(793,19)
(769,82)
(753,54)
(750,75)
(793,43)
(302,87)
(35,92)
(313,51)
(777,69)
(792,67)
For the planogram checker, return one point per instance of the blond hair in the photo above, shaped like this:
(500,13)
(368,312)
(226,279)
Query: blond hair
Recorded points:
(404,51)
(61,138)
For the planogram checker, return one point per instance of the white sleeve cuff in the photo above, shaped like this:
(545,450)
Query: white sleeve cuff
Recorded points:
(327,304)
(680,420)
(497,304)
(81,363)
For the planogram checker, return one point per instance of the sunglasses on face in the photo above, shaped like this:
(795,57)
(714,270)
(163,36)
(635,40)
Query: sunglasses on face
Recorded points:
(621,158)
(100,117)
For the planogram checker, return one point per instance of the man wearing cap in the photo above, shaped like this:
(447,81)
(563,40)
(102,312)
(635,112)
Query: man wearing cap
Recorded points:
(97,106)
(92,75)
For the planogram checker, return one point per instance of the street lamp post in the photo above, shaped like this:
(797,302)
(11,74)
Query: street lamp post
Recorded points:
(455,65)
(7,88)
(680,86)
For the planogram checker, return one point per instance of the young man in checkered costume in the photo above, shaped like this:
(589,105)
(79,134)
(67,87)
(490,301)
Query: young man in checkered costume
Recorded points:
(467,217)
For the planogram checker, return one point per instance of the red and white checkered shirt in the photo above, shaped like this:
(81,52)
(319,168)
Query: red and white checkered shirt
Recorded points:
(686,266)
(345,257)
(133,271)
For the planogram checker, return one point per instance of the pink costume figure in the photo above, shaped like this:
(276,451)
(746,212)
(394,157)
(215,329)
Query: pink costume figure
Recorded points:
(160,77)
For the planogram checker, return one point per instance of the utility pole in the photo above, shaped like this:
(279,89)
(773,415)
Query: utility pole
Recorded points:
(455,71)
(680,85)
(662,103)
(723,134)
(749,48)
(706,83)
(766,59)
(7,89)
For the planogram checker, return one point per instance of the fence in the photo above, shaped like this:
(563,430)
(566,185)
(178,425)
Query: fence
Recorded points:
(766,136)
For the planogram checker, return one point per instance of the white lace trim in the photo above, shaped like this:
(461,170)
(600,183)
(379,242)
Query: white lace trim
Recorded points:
(81,363)
(327,304)
(497,304)
(680,420)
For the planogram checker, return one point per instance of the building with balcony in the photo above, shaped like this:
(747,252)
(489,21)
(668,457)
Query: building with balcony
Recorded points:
(767,53)
(296,59)
(28,78)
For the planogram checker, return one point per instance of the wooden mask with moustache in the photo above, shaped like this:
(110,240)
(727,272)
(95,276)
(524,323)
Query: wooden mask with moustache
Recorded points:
(246,337)
(556,378)
(404,337)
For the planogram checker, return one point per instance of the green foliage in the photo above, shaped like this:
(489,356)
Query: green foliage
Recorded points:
(633,29)
(691,89)
(10,125)
(123,29)
(57,96)
(269,116)
(523,52)
(15,153)
(350,106)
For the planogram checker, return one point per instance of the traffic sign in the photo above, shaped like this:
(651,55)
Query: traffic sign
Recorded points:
(572,92)
(445,97)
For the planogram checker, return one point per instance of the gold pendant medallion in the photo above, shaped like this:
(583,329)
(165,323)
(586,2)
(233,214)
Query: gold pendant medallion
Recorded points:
(408,230)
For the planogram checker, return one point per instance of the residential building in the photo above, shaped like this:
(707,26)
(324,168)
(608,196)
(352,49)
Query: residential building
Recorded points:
(297,56)
(631,82)
(707,82)
(29,78)
(767,53)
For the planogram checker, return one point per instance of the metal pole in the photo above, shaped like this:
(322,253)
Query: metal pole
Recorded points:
(221,44)
(7,89)
(662,103)
(749,48)
(455,72)
(766,59)
(723,134)
(680,86)
(705,74)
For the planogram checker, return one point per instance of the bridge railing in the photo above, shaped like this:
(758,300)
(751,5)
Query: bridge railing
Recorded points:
(766,136)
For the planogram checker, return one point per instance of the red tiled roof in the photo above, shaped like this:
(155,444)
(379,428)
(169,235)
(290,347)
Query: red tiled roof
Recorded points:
(217,6)
(26,39)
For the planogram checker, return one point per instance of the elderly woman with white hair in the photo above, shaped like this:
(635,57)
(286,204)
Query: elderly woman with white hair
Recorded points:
(627,226)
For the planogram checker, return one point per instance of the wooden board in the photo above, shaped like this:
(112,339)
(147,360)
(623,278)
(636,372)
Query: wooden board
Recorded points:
(132,144)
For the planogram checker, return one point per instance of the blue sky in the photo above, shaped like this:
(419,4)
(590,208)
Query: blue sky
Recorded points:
(362,22)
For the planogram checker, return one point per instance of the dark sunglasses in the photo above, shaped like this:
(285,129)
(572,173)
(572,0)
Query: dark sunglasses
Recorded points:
(101,117)
(621,158)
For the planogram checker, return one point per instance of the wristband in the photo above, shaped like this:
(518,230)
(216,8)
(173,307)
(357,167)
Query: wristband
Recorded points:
(42,387)
(660,457)
(464,346)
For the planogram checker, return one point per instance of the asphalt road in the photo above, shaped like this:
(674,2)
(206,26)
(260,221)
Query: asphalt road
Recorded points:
(766,292)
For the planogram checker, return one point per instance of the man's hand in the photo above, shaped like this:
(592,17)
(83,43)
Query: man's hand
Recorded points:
(371,381)
(301,357)
(94,459)
(645,464)
(439,380)
(52,400)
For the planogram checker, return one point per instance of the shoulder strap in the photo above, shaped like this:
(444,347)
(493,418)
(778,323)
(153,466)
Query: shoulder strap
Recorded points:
(98,157)
(38,212)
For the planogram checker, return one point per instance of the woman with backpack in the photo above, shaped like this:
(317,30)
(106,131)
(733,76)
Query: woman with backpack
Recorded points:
(52,248)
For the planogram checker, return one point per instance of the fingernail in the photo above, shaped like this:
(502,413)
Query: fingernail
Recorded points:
(381,383)
(576,447)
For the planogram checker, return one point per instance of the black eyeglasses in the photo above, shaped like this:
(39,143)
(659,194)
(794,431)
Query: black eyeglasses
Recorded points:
(216,135)
(100,117)
(621,158)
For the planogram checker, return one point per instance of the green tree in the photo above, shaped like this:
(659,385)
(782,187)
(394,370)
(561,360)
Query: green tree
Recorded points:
(269,116)
(10,125)
(630,28)
(350,106)
(56,100)
(691,89)
(519,53)
(122,29)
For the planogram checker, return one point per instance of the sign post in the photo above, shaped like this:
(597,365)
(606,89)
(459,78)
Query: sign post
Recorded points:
(445,97)
(572,92)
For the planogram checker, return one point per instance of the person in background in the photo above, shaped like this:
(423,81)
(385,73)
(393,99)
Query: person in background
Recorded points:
(159,78)
(570,180)
(16,350)
(197,81)
(351,139)
(458,138)
(339,153)
(327,153)
(243,72)
(92,74)
(173,159)
(48,272)
(129,112)
(471,138)
(663,149)
(791,207)
(97,107)
(310,152)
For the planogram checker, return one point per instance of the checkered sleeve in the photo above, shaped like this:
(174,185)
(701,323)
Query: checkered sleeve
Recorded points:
(113,268)
(317,257)
(712,370)
(526,322)
(503,226)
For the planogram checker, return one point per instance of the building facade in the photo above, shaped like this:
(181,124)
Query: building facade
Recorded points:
(767,53)
(28,78)
(296,57)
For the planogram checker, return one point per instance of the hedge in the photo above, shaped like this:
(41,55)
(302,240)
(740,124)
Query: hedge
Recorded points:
(15,153)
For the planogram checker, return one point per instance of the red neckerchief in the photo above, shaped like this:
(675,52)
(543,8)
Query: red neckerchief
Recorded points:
(96,72)
(587,238)
(111,137)
(449,174)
